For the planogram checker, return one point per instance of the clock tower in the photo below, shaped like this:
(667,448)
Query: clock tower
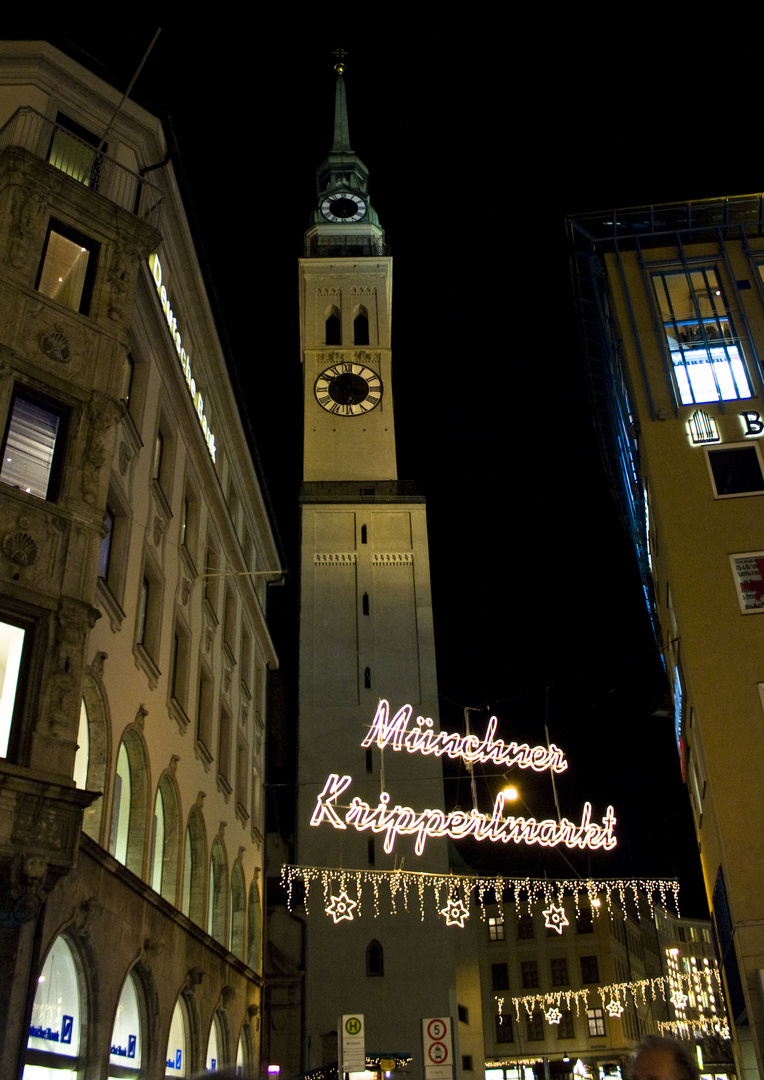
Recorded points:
(366,633)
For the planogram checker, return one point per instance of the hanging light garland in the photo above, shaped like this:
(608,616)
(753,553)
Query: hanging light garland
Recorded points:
(703,1026)
(454,893)
(615,995)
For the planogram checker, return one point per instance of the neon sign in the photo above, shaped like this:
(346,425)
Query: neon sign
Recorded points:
(400,820)
(185,359)
(403,821)
(470,748)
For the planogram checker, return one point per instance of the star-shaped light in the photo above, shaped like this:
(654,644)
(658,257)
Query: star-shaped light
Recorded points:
(555,918)
(341,907)
(455,912)
(615,1008)
(679,999)
(554,1016)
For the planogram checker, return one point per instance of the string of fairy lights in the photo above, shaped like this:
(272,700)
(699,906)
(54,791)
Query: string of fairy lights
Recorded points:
(348,893)
(616,997)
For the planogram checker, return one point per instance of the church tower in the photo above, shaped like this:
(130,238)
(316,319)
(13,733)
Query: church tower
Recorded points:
(366,630)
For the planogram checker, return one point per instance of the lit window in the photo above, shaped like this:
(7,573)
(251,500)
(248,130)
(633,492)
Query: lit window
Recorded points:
(706,358)
(73,151)
(11,646)
(120,816)
(214,1044)
(55,1026)
(33,444)
(157,857)
(596,1021)
(495,928)
(81,758)
(67,268)
(126,1033)
(177,1043)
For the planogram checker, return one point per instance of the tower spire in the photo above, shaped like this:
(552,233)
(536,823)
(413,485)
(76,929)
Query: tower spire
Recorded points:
(343,221)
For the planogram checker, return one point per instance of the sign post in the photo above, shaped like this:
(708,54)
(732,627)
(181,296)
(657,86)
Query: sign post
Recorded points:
(353,1043)
(438,1050)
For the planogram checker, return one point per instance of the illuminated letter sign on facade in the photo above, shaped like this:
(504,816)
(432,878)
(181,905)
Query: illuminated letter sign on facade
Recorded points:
(404,821)
(185,359)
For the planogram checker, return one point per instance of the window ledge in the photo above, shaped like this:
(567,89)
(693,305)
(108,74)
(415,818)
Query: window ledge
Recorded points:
(188,562)
(177,712)
(241,813)
(161,499)
(224,787)
(112,608)
(203,754)
(145,663)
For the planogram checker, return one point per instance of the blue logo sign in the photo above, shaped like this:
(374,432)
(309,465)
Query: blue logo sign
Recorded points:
(67,1026)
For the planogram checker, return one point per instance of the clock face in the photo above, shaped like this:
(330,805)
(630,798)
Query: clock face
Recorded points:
(343,206)
(348,389)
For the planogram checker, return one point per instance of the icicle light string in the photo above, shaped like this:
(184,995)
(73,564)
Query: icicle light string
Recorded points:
(458,891)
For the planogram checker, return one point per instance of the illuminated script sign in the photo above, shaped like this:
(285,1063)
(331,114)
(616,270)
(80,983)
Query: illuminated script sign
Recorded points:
(404,821)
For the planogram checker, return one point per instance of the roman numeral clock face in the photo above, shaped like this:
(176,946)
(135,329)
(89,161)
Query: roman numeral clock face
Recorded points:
(348,389)
(343,206)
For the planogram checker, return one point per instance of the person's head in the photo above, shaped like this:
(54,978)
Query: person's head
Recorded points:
(659,1057)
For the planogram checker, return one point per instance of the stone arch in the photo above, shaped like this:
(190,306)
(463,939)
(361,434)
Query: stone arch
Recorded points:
(254,926)
(99,752)
(217,915)
(166,862)
(333,325)
(238,911)
(360,326)
(194,895)
(127,839)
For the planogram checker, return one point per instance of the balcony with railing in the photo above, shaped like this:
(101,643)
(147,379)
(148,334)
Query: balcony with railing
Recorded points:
(82,161)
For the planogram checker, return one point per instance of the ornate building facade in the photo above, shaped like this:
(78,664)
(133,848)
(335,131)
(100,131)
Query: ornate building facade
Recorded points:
(136,553)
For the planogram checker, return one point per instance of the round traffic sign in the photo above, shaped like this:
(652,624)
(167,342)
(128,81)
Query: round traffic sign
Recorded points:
(436,1029)
(438,1053)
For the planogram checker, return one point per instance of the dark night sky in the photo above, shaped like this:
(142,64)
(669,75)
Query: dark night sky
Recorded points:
(477,148)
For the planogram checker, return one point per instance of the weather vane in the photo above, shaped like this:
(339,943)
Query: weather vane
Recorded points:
(340,54)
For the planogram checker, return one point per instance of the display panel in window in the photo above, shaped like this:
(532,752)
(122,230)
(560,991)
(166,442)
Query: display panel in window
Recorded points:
(33,445)
(68,267)
(705,353)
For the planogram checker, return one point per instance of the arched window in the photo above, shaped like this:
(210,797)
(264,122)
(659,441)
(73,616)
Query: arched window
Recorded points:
(128,814)
(55,1026)
(375,959)
(254,922)
(361,327)
(216,916)
(126,1036)
(194,868)
(217,1043)
(333,327)
(165,840)
(238,911)
(178,1048)
(91,761)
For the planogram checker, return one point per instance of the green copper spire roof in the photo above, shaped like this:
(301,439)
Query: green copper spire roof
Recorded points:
(341,129)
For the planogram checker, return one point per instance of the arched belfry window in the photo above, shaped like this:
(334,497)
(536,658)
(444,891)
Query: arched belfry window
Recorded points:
(375,959)
(361,327)
(333,327)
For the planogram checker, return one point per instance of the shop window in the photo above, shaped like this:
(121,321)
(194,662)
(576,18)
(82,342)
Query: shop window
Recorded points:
(736,470)
(254,928)
(33,446)
(54,1031)
(237,914)
(375,960)
(244,1052)
(705,354)
(68,267)
(596,1022)
(178,1042)
(216,1043)
(495,928)
(361,327)
(126,1048)
(194,868)
(534,1026)
(560,972)
(499,977)
(73,150)
(333,334)
(529,973)
(503,1029)
(589,969)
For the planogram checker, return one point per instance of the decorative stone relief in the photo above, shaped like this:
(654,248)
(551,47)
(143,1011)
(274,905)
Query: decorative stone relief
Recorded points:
(119,279)
(140,718)
(28,204)
(363,290)
(330,290)
(74,621)
(55,344)
(125,457)
(322,558)
(185,591)
(159,528)
(98,661)
(20,547)
(103,413)
(389,558)
(25,891)
(172,768)
(87,912)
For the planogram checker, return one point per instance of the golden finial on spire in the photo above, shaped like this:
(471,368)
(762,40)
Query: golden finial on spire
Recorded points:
(340,54)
